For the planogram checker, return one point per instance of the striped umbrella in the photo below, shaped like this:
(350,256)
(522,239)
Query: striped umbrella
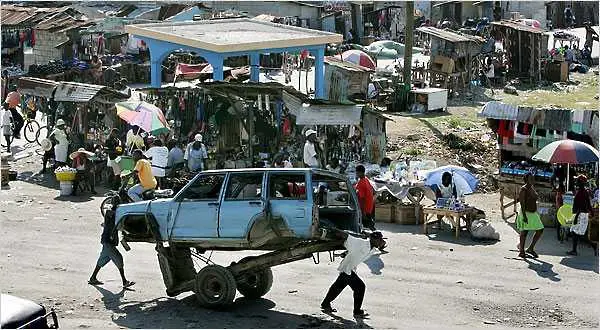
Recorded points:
(567,152)
(359,57)
(145,115)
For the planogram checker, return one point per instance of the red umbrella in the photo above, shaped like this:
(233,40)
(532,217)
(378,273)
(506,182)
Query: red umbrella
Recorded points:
(359,57)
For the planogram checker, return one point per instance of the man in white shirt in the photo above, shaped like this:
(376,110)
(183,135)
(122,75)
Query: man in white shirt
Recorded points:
(159,155)
(311,158)
(359,250)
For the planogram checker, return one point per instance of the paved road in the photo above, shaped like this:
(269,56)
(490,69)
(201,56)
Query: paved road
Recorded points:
(50,245)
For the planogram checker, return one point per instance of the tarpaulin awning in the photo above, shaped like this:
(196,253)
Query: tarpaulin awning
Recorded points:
(317,114)
(190,69)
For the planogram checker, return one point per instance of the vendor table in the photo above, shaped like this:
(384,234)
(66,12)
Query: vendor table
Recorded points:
(413,191)
(431,213)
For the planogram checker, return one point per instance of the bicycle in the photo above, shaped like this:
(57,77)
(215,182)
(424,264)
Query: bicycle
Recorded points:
(31,128)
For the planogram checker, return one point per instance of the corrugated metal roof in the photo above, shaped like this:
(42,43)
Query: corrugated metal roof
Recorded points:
(77,92)
(61,22)
(335,61)
(36,86)
(448,35)
(16,15)
(517,26)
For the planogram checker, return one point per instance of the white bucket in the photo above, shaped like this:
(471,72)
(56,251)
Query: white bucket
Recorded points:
(66,188)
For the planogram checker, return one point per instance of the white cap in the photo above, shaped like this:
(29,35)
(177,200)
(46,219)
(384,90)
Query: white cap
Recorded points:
(309,132)
(198,137)
(60,122)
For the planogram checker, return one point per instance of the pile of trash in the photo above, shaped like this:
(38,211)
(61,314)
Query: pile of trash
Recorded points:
(473,148)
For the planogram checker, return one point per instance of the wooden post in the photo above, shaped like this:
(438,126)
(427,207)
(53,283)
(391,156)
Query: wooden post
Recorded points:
(408,44)
(539,58)
(520,54)
(532,64)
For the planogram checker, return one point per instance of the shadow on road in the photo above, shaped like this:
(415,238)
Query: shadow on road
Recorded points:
(185,313)
(543,269)
(581,263)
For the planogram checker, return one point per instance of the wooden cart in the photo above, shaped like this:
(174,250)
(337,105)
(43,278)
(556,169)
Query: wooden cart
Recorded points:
(509,188)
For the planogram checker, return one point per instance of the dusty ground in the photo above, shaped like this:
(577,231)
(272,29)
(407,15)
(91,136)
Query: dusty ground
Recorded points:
(50,245)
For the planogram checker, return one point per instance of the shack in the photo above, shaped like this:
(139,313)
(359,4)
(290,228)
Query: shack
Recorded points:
(345,80)
(88,109)
(525,48)
(454,60)
(521,133)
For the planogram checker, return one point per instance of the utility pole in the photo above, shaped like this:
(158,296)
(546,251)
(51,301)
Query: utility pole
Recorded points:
(408,44)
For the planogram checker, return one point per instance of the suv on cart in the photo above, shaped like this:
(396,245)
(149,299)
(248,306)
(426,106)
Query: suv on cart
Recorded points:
(290,211)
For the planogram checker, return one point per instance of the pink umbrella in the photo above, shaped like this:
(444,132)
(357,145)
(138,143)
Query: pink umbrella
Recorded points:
(359,57)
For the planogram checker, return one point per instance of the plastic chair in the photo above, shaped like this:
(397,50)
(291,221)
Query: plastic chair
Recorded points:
(564,216)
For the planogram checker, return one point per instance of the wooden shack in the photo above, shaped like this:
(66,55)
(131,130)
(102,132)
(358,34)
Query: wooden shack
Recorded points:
(525,46)
(453,57)
(345,80)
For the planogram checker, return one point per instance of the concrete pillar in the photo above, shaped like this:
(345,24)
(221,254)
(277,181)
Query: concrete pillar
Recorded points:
(217,64)
(254,67)
(155,73)
(319,72)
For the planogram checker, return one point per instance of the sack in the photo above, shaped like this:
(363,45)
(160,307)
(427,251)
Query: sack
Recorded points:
(483,229)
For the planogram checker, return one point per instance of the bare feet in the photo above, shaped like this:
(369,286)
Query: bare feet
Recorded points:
(128,284)
(532,253)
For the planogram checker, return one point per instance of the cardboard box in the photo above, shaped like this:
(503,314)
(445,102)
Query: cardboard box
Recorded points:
(443,64)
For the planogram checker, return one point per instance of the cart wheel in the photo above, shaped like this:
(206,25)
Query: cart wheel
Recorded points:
(256,284)
(215,287)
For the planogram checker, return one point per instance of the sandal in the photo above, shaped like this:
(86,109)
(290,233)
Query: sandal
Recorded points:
(522,255)
(533,254)
(128,284)
(328,309)
(94,282)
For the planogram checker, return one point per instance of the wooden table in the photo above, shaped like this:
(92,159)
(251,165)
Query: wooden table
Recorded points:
(431,213)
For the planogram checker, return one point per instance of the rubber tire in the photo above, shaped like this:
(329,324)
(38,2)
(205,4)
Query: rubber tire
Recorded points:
(221,277)
(33,127)
(103,205)
(38,135)
(260,286)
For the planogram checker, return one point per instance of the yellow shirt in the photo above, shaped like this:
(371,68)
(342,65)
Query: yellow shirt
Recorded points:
(144,169)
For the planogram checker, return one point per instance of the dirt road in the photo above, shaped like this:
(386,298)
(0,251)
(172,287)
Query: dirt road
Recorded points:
(50,245)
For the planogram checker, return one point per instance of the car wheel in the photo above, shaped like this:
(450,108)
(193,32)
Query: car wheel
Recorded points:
(215,287)
(256,284)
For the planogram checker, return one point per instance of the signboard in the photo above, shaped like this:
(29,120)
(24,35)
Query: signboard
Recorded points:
(329,115)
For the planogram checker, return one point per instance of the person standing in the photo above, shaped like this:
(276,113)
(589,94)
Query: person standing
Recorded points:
(582,206)
(61,143)
(195,154)
(358,250)
(590,36)
(6,124)
(528,219)
(114,148)
(175,157)
(143,170)
(159,156)
(366,198)
(311,150)
(13,99)
(569,17)
(109,241)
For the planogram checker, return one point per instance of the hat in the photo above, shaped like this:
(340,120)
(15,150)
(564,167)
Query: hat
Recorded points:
(582,178)
(60,122)
(46,144)
(309,132)
(81,151)
(198,137)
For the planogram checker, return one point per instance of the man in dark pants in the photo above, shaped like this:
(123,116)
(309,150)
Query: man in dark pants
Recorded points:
(358,250)
(366,198)
(110,240)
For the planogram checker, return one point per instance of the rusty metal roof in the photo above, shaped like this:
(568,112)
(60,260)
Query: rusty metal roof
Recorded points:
(335,61)
(448,35)
(12,15)
(62,22)
(517,26)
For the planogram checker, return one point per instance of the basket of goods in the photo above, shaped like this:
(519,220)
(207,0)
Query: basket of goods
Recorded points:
(65,174)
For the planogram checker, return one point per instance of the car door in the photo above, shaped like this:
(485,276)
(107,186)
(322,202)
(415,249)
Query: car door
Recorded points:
(197,215)
(288,198)
(242,203)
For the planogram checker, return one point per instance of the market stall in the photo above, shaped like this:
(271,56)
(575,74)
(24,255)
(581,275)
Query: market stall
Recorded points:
(521,133)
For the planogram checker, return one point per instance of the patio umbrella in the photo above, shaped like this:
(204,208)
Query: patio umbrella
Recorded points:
(145,115)
(359,57)
(567,152)
(464,181)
